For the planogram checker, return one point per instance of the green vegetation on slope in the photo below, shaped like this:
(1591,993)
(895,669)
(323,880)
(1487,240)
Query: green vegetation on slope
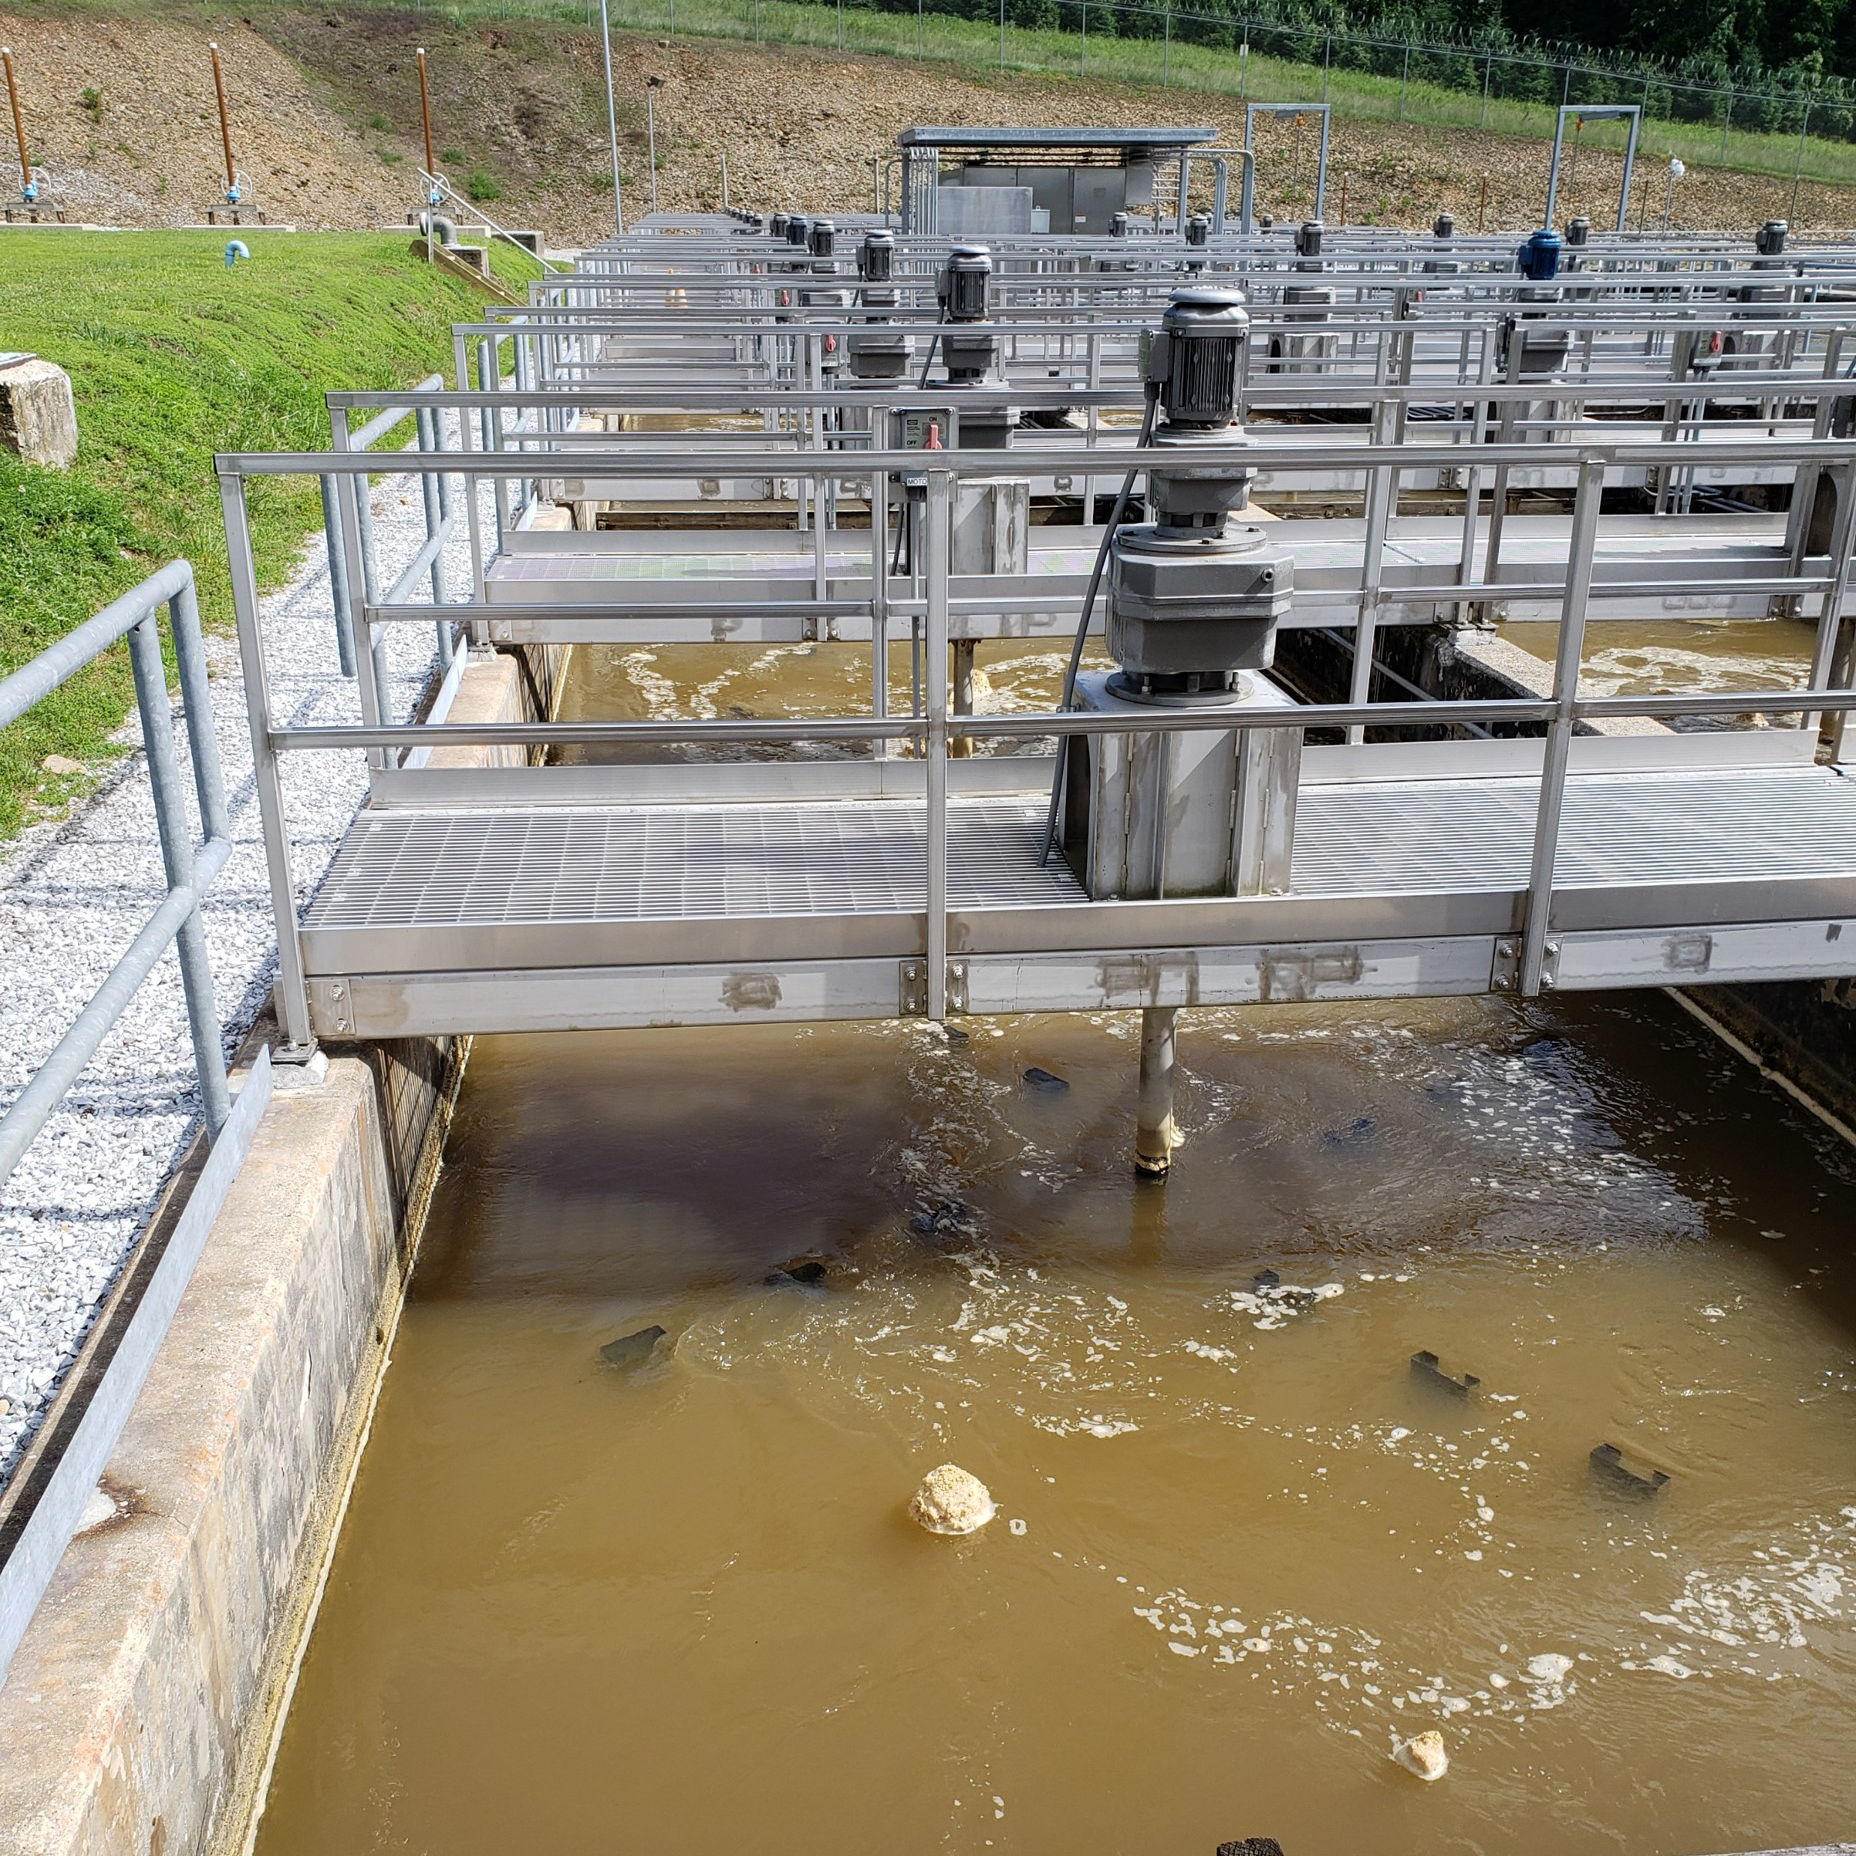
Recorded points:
(172,358)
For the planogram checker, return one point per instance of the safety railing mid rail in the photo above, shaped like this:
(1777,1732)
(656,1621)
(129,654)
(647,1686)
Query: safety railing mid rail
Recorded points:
(39,1520)
(932,724)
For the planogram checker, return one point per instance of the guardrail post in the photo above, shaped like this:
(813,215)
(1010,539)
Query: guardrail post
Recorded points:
(1831,654)
(937,545)
(196,972)
(1381,498)
(292,991)
(1534,946)
(425,422)
(338,581)
(209,782)
(879,580)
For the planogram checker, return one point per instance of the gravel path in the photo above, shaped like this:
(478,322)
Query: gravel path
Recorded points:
(72,895)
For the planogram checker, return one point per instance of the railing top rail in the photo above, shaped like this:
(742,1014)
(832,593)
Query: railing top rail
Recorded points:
(1290,387)
(1082,459)
(1422,714)
(61,661)
(398,408)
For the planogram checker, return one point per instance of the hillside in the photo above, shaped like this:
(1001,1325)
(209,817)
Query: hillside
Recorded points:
(173,357)
(326,113)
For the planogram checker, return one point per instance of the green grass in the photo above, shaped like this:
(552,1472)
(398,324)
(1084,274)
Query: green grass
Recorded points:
(172,357)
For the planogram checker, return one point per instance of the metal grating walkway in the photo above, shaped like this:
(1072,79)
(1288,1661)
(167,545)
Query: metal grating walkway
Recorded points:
(1394,837)
(671,863)
(511,919)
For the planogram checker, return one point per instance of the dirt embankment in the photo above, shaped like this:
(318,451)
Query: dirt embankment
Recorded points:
(326,116)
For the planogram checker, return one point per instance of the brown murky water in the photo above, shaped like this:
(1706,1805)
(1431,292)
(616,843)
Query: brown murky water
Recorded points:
(705,681)
(1241,1551)
(1632,658)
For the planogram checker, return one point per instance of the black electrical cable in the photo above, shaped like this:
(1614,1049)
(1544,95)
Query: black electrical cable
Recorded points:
(1082,624)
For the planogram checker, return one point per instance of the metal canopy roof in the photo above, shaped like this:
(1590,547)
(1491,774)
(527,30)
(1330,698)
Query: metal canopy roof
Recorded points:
(944,137)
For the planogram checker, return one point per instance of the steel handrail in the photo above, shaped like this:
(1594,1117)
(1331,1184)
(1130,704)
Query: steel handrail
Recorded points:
(189,870)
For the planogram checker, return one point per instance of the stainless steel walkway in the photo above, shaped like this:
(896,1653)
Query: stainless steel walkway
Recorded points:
(603,915)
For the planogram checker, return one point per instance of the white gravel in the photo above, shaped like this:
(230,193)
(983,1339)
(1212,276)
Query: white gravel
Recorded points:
(73,893)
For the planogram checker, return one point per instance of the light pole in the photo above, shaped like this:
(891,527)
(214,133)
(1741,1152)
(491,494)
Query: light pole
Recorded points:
(651,87)
(612,120)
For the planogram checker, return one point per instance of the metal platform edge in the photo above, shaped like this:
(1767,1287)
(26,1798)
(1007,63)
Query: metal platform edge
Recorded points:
(796,991)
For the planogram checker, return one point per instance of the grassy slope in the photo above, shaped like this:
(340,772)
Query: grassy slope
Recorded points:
(173,357)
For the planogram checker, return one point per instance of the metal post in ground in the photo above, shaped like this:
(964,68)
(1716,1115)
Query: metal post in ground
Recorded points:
(1403,80)
(19,123)
(1804,129)
(225,124)
(652,85)
(1488,77)
(1156,1133)
(612,113)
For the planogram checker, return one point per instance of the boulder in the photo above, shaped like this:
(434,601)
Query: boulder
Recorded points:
(951,1501)
(38,417)
(1424,1755)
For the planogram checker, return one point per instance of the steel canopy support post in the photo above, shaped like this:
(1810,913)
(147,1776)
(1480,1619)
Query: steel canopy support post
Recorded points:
(1535,948)
(1156,1133)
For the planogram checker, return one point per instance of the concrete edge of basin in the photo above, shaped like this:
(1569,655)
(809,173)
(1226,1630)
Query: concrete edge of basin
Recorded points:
(138,1704)
(143,1706)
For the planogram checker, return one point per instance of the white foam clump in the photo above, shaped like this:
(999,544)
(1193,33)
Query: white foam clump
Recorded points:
(1550,1667)
(1668,1666)
(951,1500)
(1423,1754)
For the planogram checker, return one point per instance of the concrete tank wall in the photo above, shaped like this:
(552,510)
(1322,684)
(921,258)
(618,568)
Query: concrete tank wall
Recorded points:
(138,1716)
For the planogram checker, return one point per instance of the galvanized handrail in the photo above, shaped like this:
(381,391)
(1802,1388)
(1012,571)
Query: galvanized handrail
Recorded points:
(189,870)
(52,1506)
(549,266)
(931,724)
(393,409)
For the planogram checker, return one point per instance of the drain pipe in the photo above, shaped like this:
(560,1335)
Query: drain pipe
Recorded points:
(236,249)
